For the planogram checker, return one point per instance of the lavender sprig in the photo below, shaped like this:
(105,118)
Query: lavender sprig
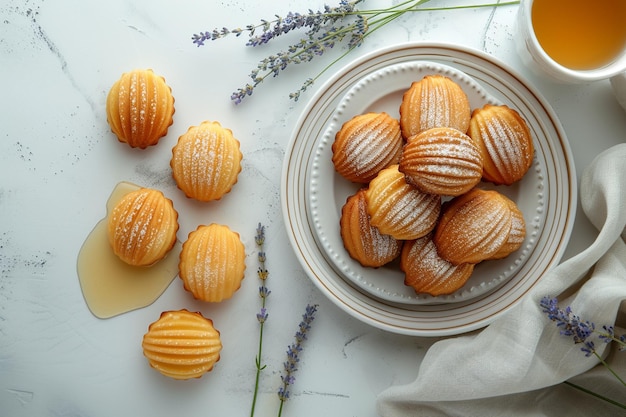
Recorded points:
(293,355)
(262,315)
(324,29)
(582,332)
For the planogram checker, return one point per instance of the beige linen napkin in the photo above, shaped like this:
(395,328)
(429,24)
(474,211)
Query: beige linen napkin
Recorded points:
(514,366)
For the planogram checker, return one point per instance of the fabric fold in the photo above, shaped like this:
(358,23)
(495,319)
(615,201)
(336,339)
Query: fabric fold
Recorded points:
(521,355)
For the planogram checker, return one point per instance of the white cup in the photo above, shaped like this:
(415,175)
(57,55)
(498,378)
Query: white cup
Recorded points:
(536,58)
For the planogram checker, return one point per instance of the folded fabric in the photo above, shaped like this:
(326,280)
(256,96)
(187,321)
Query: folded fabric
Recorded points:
(516,364)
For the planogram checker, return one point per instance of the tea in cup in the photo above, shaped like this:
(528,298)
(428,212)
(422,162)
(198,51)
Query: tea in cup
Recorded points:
(573,41)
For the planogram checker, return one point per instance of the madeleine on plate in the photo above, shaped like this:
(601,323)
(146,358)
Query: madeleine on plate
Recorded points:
(434,101)
(398,209)
(363,241)
(442,161)
(427,272)
(504,140)
(366,144)
(473,227)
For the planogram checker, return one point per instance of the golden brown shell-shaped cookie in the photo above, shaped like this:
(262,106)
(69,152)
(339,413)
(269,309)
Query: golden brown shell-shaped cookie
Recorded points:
(434,101)
(212,263)
(206,161)
(516,235)
(505,143)
(442,161)
(182,344)
(429,273)
(398,209)
(142,227)
(363,241)
(366,144)
(139,108)
(473,227)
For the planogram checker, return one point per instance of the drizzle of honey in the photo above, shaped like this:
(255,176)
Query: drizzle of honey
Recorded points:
(109,285)
(580,34)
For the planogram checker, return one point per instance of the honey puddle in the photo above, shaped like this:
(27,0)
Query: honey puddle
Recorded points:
(111,286)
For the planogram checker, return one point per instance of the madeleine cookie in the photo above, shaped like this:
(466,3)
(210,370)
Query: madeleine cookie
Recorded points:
(206,161)
(182,344)
(140,108)
(142,227)
(212,263)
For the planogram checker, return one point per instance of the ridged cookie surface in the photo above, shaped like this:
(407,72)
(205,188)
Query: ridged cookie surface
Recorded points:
(182,344)
(142,227)
(206,161)
(505,142)
(434,101)
(212,262)
(363,241)
(399,209)
(429,273)
(366,144)
(473,227)
(442,161)
(140,108)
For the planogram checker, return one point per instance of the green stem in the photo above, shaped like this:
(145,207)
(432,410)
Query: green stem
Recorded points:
(376,24)
(393,13)
(280,408)
(389,15)
(416,8)
(608,367)
(595,394)
(259,368)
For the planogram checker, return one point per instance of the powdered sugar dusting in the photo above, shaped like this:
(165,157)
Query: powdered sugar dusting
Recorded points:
(442,161)
(374,92)
(398,209)
(206,161)
(366,144)
(142,229)
(379,248)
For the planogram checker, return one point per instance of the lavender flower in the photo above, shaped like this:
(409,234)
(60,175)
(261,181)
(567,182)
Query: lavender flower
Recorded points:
(324,29)
(582,332)
(262,316)
(570,324)
(293,355)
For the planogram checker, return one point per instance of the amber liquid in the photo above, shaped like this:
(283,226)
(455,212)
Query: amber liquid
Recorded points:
(112,287)
(580,34)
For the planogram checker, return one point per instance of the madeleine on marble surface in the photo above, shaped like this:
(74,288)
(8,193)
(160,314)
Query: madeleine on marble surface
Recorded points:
(140,108)
(182,344)
(363,241)
(443,161)
(434,101)
(427,272)
(473,227)
(142,227)
(206,161)
(505,142)
(212,263)
(399,209)
(366,144)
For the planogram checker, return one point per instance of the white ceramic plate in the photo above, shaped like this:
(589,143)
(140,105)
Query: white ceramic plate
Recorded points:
(313,194)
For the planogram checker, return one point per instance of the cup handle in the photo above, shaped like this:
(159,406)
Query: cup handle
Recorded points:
(618,82)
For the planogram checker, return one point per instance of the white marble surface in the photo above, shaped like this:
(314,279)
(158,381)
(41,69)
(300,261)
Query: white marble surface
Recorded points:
(59,162)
